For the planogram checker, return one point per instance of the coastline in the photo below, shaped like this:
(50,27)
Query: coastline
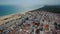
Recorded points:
(6,18)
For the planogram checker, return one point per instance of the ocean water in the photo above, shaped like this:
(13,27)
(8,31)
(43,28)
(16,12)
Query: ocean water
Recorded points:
(9,9)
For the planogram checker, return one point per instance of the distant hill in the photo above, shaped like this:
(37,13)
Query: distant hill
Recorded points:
(54,9)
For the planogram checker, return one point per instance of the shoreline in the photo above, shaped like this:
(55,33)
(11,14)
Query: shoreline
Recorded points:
(6,18)
(17,15)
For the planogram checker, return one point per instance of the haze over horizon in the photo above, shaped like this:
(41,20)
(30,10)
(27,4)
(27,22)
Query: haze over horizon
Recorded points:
(29,3)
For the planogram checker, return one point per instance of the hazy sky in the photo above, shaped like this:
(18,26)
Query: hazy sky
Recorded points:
(29,3)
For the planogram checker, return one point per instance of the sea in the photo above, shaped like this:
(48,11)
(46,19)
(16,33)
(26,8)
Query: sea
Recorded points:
(12,9)
(9,9)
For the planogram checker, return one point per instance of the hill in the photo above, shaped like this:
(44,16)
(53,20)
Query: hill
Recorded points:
(54,9)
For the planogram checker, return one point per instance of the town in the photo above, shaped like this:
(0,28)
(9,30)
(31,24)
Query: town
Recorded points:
(32,22)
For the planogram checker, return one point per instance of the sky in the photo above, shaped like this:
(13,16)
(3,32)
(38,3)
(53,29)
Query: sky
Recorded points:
(29,3)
